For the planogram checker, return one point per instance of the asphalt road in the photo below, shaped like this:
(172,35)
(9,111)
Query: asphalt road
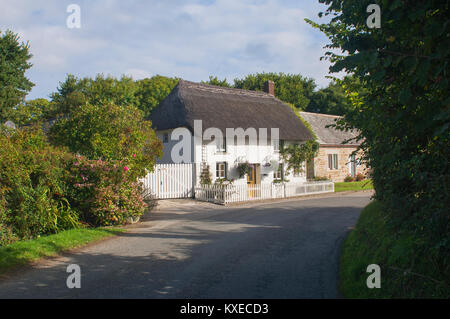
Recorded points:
(186,249)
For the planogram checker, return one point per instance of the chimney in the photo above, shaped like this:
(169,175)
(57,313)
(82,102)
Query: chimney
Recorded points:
(269,87)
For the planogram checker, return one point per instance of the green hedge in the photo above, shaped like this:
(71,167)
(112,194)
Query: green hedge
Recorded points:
(46,189)
(411,267)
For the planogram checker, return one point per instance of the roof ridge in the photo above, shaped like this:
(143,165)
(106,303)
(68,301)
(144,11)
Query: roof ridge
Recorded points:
(222,89)
(321,114)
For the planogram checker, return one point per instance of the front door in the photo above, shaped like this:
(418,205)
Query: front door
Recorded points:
(253,180)
(251,175)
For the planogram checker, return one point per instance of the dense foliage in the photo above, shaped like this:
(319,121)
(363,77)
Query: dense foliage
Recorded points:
(409,268)
(296,155)
(31,112)
(105,192)
(74,92)
(14,57)
(152,91)
(144,94)
(404,114)
(32,186)
(214,80)
(109,132)
(290,88)
(45,189)
(334,99)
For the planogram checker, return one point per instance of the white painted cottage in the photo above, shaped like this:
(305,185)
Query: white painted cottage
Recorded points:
(202,109)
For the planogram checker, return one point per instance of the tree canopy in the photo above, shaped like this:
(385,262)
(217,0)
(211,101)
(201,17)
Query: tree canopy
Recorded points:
(404,116)
(14,62)
(152,91)
(290,88)
(144,94)
(108,132)
(335,98)
(214,80)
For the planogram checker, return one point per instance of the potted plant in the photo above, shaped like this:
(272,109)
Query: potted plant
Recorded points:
(243,169)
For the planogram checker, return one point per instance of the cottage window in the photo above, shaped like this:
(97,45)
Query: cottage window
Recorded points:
(221,170)
(276,146)
(166,138)
(333,161)
(278,174)
(221,145)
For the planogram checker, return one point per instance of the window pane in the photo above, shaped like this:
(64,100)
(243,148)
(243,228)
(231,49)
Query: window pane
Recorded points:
(330,161)
(220,170)
(335,161)
(276,145)
(221,145)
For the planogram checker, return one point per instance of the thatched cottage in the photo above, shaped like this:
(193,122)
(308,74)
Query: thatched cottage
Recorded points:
(227,108)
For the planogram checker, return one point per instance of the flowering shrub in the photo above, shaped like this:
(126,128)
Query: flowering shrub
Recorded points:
(105,192)
(359,177)
(32,187)
(349,178)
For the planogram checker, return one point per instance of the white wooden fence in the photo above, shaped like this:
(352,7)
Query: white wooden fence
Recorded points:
(224,194)
(170,181)
(178,181)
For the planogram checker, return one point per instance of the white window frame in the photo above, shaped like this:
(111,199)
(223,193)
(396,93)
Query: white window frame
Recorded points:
(334,163)
(221,171)
(278,174)
(221,145)
(276,146)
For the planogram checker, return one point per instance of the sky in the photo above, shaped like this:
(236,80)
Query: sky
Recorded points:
(190,39)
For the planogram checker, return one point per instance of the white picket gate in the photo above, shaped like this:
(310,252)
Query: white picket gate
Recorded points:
(170,181)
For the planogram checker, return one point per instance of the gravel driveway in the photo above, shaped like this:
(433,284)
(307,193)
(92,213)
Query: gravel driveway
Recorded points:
(187,249)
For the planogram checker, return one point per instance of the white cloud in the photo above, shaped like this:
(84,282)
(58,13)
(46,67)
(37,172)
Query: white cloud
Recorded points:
(188,39)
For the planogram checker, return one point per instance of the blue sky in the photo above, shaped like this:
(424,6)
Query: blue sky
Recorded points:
(191,39)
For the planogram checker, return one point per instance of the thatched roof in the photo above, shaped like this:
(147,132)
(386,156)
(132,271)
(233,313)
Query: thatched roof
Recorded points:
(328,135)
(223,108)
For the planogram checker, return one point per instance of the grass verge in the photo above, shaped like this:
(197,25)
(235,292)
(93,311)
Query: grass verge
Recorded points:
(410,268)
(353,186)
(24,252)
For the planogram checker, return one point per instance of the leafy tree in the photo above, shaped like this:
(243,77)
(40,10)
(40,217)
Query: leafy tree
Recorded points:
(404,116)
(290,88)
(31,111)
(214,80)
(150,92)
(74,92)
(109,132)
(297,155)
(334,99)
(14,85)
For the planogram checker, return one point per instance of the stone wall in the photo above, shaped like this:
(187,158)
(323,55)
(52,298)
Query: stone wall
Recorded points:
(336,175)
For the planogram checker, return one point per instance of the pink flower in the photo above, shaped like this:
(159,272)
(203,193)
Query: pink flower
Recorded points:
(126,168)
(134,155)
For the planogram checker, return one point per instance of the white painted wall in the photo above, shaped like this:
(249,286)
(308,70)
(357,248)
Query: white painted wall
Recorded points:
(254,154)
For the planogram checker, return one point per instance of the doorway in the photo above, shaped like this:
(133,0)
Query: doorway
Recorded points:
(254,180)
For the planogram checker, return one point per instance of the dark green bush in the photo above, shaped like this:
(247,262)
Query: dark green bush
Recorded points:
(32,185)
(109,132)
